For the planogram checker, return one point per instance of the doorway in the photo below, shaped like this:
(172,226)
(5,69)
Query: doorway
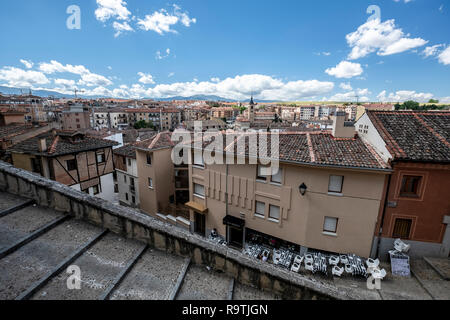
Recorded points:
(200,222)
(236,237)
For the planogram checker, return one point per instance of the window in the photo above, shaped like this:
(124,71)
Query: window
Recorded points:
(262,172)
(71,165)
(149,159)
(150,183)
(132,182)
(274,212)
(124,160)
(96,189)
(199,190)
(36,165)
(276,178)
(410,186)
(125,179)
(335,185)
(402,228)
(129,162)
(133,199)
(260,210)
(198,159)
(101,158)
(330,225)
(126,196)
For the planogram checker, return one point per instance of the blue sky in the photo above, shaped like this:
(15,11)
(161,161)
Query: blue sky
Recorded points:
(279,50)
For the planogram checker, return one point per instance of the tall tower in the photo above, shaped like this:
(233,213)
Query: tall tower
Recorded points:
(251,111)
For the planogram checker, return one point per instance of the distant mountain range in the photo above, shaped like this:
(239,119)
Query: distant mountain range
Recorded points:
(49,93)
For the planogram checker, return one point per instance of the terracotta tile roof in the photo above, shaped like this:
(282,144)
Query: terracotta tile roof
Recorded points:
(61,144)
(315,148)
(414,136)
(160,141)
(128,151)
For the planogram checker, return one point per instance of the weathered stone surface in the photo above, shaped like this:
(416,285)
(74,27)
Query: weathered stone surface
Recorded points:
(164,236)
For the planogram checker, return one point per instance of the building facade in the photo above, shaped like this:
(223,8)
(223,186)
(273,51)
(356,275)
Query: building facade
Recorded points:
(417,206)
(71,158)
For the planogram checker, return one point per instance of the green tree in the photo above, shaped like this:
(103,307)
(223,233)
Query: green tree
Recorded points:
(143,125)
(433,101)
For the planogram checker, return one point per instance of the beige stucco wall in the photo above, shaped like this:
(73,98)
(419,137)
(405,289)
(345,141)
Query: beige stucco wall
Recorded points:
(302,217)
(155,200)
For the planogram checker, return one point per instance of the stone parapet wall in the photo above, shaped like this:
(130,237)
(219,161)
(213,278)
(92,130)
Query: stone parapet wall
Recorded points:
(163,236)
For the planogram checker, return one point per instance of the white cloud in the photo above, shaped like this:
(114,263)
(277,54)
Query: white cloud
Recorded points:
(237,88)
(160,56)
(381,37)
(92,80)
(108,9)
(66,83)
(441,8)
(16,77)
(444,56)
(404,95)
(171,74)
(345,69)
(146,78)
(360,95)
(121,27)
(55,66)
(346,86)
(27,63)
(432,50)
(87,78)
(405,1)
(215,79)
(444,100)
(162,21)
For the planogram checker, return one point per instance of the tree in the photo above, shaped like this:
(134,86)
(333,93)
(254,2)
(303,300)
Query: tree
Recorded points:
(433,101)
(143,125)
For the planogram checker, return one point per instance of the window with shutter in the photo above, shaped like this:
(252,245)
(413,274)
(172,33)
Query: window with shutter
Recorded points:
(330,225)
(410,186)
(335,184)
(276,178)
(402,228)
(274,213)
(260,209)
(198,159)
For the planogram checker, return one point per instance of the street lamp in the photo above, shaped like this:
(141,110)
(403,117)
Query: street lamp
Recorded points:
(303,188)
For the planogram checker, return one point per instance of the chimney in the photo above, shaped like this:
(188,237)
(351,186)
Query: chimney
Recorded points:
(342,128)
(42,145)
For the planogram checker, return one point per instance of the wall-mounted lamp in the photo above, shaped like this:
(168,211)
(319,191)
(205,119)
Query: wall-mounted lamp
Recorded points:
(302,189)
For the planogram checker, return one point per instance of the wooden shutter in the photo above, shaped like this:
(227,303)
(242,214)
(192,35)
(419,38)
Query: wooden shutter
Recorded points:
(402,228)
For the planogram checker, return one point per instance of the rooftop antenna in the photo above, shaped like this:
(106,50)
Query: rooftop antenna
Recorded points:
(76,91)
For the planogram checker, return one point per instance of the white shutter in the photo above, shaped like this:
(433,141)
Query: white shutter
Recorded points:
(330,224)
(274,212)
(199,190)
(277,177)
(198,158)
(260,208)
(335,184)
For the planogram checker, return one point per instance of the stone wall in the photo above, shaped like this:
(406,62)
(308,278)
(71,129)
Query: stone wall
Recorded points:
(162,236)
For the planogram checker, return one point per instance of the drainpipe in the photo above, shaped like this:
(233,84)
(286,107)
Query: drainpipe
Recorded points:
(386,201)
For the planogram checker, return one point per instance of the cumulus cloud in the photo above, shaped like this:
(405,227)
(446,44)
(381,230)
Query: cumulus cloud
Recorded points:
(360,95)
(116,9)
(346,86)
(146,78)
(384,38)
(431,50)
(162,21)
(27,63)
(237,88)
(345,69)
(444,56)
(87,78)
(404,95)
(16,77)
(65,83)
(121,27)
